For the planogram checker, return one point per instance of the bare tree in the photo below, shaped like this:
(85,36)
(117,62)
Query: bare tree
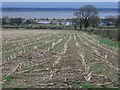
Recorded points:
(112,20)
(94,21)
(16,21)
(86,13)
(116,21)
(109,20)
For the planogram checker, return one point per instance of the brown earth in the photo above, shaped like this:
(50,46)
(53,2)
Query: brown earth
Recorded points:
(56,59)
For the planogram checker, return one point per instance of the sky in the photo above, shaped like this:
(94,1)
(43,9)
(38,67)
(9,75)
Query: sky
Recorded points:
(59,0)
(58,4)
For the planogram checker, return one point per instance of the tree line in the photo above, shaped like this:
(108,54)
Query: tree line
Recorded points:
(89,16)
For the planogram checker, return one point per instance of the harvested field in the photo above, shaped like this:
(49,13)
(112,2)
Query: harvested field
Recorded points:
(57,59)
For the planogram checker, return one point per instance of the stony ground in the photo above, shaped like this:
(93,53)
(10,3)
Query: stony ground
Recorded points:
(56,59)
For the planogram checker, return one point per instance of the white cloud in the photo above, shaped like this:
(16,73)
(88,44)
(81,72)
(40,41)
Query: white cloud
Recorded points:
(60,0)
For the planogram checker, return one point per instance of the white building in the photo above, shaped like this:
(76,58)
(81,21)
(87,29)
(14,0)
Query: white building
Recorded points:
(68,23)
(43,22)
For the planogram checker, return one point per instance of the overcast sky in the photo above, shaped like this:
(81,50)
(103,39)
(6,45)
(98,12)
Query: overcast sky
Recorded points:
(60,0)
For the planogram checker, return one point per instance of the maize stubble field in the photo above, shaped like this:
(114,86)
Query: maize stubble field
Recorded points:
(56,59)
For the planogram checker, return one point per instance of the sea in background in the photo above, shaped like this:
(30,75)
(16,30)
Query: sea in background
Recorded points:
(54,9)
(51,14)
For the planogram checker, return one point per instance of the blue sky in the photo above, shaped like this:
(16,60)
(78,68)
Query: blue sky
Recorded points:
(58,4)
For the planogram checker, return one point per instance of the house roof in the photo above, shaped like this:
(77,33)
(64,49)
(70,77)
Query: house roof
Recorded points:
(45,22)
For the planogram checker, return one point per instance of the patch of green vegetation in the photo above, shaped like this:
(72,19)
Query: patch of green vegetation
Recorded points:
(9,78)
(105,41)
(109,42)
(87,85)
(75,84)
(50,49)
(7,49)
(69,27)
(41,66)
(111,87)
(17,88)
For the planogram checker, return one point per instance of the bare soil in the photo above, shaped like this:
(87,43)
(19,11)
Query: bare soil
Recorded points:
(56,59)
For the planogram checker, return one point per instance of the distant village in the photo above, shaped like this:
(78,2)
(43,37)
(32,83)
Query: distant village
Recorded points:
(54,22)
(110,21)
(7,20)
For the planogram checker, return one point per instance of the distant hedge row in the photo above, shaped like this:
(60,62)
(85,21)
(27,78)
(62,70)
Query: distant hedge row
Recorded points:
(42,27)
(113,34)
(110,33)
